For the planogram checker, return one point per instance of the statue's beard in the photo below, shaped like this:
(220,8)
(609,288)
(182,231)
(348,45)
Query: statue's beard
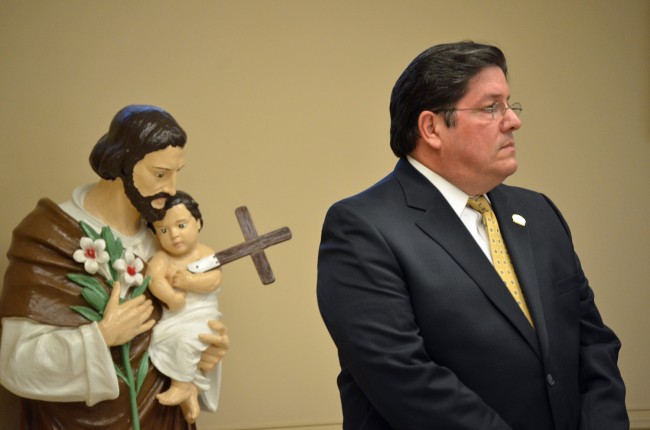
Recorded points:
(142,203)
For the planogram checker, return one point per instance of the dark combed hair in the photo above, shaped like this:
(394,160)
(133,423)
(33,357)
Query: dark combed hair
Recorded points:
(435,81)
(185,199)
(135,131)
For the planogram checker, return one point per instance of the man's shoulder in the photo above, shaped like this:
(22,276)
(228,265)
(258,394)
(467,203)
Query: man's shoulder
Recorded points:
(382,192)
(525,199)
(46,227)
(518,193)
(44,214)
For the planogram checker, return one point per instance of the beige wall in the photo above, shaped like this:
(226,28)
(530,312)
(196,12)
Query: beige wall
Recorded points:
(285,103)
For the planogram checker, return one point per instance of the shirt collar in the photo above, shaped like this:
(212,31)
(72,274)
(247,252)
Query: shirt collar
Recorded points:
(456,198)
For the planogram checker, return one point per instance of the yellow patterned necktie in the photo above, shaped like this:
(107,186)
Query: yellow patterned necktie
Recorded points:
(500,257)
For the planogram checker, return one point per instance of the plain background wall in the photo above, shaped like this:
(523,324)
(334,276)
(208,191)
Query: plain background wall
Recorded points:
(286,107)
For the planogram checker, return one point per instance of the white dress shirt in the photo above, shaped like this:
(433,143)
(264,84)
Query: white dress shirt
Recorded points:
(457,199)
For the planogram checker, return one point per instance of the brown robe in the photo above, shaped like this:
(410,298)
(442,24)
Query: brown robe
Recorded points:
(36,287)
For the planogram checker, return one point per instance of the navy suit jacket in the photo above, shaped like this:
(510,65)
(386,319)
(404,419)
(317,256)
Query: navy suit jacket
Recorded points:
(428,336)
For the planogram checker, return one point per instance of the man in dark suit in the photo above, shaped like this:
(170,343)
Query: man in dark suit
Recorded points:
(428,335)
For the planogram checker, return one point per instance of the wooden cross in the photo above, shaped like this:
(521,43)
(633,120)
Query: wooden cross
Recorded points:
(253,246)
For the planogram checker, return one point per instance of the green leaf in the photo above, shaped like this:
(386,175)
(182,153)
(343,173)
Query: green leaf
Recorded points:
(87,313)
(113,247)
(119,249)
(88,282)
(96,300)
(90,232)
(141,288)
(142,371)
(85,281)
(121,374)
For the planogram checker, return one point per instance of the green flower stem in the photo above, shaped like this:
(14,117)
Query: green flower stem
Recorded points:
(133,396)
(94,293)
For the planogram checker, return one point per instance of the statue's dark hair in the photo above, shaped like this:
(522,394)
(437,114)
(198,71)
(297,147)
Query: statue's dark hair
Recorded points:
(135,131)
(185,199)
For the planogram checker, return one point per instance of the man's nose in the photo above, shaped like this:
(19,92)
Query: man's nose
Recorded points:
(511,121)
(169,186)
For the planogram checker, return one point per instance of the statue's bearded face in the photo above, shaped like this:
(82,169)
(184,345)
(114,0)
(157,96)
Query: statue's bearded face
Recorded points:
(153,180)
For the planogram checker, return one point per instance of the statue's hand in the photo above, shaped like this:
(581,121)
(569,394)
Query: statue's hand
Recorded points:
(124,321)
(219,343)
(181,279)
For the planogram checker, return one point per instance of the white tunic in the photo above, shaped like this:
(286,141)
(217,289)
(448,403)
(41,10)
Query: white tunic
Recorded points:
(175,348)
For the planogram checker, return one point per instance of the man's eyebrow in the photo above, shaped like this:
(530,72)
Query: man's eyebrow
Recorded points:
(492,97)
(489,95)
(168,168)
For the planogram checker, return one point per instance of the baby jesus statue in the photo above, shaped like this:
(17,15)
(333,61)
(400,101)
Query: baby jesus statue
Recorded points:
(191,300)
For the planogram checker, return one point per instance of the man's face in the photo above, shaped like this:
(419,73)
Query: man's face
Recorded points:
(153,180)
(479,151)
(178,231)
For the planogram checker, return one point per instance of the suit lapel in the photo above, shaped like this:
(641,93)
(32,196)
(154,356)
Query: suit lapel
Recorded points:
(441,224)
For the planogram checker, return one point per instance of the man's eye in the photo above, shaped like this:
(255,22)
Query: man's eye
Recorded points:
(181,225)
(491,109)
(159,175)
(163,230)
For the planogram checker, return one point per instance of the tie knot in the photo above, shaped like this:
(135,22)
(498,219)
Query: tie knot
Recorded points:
(479,204)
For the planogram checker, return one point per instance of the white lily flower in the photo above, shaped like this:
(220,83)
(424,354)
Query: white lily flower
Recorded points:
(92,254)
(129,268)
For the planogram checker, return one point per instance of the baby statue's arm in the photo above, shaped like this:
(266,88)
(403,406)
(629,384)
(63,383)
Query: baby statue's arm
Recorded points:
(197,282)
(160,286)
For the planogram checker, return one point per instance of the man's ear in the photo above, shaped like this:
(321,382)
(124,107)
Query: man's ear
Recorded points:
(429,125)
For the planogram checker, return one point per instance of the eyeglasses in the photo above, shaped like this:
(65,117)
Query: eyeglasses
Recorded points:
(497,110)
